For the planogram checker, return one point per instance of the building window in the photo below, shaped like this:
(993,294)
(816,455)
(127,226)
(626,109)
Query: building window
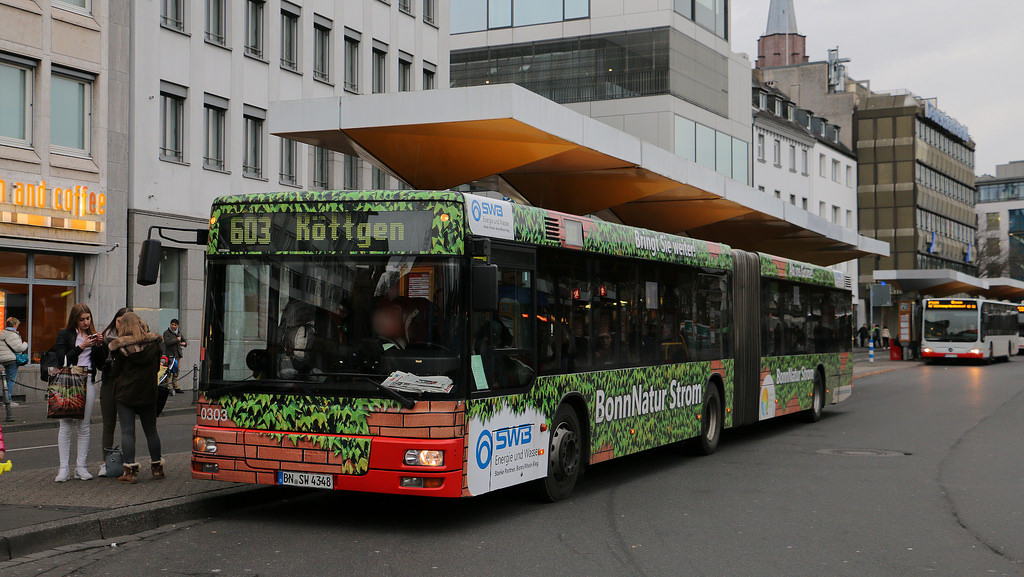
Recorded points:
(836,211)
(792,158)
(405,6)
(429,76)
(289,159)
(803,203)
(991,221)
(429,11)
(777,154)
(760,188)
(835,170)
(171,267)
(172,14)
(15,102)
(41,288)
(321,168)
(172,121)
(252,134)
(760,147)
(821,209)
(778,194)
(351,64)
(792,199)
(215,111)
(215,22)
(254,28)
(821,165)
(477,15)
(351,180)
(849,175)
(70,112)
(404,73)
(803,161)
(289,37)
(321,49)
(849,219)
(380,70)
(379,179)
(82,6)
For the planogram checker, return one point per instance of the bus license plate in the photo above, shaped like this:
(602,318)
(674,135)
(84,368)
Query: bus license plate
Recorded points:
(296,479)
(950,355)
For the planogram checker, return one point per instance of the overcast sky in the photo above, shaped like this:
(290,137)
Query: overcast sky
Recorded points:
(970,55)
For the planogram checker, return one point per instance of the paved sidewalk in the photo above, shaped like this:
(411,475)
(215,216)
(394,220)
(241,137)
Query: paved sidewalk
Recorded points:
(37,515)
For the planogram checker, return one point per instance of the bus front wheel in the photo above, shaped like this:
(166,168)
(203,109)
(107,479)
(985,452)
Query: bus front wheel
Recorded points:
(565,455)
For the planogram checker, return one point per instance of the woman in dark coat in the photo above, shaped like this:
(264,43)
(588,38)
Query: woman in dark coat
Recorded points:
(135,360)
(78,345)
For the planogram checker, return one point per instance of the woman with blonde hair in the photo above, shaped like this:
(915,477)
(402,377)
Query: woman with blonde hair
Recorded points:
(78,344)
(134,362)
(12,345)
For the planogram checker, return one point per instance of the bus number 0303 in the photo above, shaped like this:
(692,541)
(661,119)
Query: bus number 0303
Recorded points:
(211,414)
(250,230)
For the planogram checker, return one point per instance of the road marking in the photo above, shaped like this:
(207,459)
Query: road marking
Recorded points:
(31,448)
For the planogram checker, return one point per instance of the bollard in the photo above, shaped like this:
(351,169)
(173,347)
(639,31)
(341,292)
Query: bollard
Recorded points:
(195,384)
(871,350)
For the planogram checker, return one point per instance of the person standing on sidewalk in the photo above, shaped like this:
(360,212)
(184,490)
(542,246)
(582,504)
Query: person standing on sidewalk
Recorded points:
(108,407)
(862,334)
(78,344)
(135,360)
(12,344)
(885,337)
(172,345)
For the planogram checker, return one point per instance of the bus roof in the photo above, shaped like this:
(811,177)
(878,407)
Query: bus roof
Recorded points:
(544,227)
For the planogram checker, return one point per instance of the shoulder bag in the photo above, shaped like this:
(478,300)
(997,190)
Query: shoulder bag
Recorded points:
(21,358)
(65,392)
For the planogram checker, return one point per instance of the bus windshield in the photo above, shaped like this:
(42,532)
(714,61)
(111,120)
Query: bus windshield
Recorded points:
(331,324)
(955,326)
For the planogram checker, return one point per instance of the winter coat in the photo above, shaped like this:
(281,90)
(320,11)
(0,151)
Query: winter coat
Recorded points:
(133,368)
(14,344)
(171,345)
(67,349)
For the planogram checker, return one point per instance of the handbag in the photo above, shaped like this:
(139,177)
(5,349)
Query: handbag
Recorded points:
(114,462)
(21,358)
(65,393)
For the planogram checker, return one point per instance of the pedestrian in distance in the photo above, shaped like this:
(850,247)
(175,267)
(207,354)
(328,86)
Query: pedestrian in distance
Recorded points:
(108,407)
(12,346)
(885,337)
(135,361)
(862,334)
(876,336)
(172,345)
(78,344)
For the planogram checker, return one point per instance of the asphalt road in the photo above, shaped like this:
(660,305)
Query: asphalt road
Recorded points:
(919,473)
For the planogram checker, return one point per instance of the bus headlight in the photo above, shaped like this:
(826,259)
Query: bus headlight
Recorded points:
(425,458)
(975,351)
(204,445)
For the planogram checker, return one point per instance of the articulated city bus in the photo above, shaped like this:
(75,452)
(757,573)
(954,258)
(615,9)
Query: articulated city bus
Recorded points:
(447,344)
(968,329)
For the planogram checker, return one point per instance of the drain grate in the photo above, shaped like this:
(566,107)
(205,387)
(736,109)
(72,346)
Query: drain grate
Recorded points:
(863,452)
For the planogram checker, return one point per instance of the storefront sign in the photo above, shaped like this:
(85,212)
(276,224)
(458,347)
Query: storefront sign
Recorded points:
(33,204)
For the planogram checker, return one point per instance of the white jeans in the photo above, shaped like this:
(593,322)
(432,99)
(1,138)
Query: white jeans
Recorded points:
(80,425)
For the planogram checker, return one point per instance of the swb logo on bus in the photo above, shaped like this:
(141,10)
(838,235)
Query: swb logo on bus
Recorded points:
(487,444)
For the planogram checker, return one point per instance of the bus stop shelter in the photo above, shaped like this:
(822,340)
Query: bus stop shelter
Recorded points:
(551,156)
(944,283)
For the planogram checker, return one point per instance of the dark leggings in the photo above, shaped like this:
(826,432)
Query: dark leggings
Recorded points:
(108,408)
(147,416)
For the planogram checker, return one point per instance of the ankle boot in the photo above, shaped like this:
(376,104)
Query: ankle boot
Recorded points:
(131,473)
(158,469)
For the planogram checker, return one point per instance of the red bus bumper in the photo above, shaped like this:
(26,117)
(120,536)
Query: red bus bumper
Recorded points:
(246,456)
(940,355)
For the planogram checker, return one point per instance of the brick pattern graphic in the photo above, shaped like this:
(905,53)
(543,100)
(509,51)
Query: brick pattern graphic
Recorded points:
(604,453)
(256,456)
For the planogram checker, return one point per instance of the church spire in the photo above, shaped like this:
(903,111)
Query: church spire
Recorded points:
(782,44)
(781,18)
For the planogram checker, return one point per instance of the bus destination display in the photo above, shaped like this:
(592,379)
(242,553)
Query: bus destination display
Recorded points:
(953,305)
(315,232)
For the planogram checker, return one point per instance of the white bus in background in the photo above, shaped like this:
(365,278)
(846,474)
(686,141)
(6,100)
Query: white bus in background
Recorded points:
(1020,329)
(969,329)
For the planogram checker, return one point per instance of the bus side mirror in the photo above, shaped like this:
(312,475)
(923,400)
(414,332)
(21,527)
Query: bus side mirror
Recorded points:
(485,287)
(149,262)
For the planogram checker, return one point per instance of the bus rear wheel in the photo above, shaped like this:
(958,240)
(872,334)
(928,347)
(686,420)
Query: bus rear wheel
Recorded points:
(710,421)
(813,415)
(565,456)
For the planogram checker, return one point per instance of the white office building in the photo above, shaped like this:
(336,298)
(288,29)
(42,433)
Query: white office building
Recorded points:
(203,75)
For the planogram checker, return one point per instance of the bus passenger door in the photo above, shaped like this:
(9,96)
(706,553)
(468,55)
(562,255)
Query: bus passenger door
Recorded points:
(503,345)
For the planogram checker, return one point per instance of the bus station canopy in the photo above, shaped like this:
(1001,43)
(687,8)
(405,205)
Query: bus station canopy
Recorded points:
(557,158)
(945,282)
